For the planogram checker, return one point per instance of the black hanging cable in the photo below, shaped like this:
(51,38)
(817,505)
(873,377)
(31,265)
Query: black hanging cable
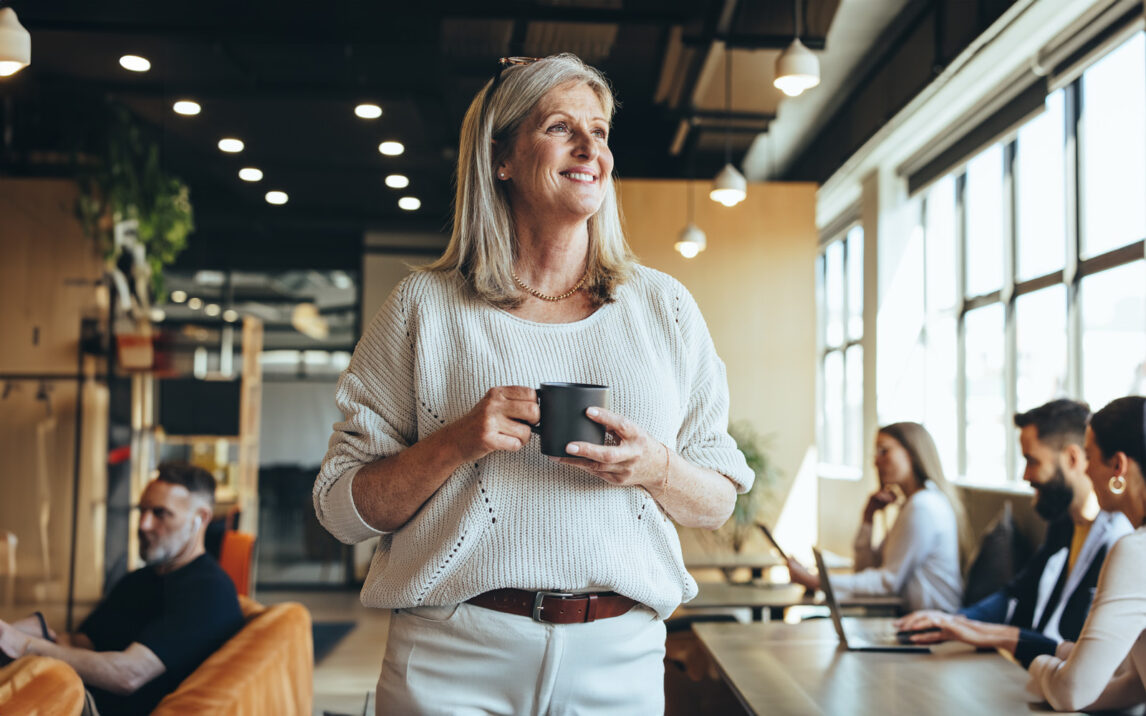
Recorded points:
(727,103)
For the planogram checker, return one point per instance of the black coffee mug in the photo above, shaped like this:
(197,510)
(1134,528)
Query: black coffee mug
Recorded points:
(563,418)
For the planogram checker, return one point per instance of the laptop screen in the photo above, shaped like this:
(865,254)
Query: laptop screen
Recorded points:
(830,596)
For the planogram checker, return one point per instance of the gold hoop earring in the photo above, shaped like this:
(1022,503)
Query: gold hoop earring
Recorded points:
(1117,485)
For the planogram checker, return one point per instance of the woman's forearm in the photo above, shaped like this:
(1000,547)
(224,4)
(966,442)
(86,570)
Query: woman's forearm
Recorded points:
(694,496)
(387,493)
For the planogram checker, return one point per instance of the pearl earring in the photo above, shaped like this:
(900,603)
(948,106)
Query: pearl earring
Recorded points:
(1117,484)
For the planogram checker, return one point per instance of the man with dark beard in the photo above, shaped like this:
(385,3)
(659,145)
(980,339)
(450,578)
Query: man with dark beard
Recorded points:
(1047,602)
(159,622)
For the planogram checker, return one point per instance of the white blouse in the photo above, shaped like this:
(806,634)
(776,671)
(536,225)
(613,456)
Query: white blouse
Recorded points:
(919,559)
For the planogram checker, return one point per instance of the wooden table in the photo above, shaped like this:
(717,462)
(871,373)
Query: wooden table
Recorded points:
(778,597)
(776,668)
(757,562)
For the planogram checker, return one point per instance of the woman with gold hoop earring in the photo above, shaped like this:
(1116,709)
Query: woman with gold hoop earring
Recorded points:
(1106,667)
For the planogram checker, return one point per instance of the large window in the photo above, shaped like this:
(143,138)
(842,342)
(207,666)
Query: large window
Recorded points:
(1034,278)
(839,274)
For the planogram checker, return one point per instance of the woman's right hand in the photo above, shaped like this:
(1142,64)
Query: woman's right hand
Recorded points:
(878,500)
(502,420)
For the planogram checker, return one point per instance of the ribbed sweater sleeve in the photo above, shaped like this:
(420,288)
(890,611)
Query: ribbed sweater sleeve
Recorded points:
(379,419)
(703,439)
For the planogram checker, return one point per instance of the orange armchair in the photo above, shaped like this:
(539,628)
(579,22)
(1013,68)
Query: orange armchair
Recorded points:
(237,558)
(40,685)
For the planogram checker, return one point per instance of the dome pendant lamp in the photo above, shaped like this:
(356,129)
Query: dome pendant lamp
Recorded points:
(15,44)
(691,240)
(797,69)
(729,187)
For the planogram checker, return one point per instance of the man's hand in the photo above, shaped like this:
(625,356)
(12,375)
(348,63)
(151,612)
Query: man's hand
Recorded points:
(922,619)
(13,642)
(953,627)
(30,625)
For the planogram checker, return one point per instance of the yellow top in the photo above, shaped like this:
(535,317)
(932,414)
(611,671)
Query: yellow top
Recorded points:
(1080,533)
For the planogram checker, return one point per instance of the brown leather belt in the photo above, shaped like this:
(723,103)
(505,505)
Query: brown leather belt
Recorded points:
(555,607)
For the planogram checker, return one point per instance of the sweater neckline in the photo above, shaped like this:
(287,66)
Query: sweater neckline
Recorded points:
(580,323)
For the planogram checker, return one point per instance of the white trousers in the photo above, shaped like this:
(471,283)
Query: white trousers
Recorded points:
(465,659)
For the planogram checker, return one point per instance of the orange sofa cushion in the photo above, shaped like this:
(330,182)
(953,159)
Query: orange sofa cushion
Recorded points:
(40,686)
(267,668)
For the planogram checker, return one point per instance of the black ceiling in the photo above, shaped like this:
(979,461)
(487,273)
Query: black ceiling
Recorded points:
(285,77)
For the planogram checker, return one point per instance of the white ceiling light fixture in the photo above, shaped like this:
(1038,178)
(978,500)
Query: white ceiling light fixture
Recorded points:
(187,107)
(230,315)
(15,44)
(397,181)
(230,145)
(135,63)
(278,198)
(178,296)
(368,111)
(195,303)
(251,174)
(211,309)
(391,148)
(410,203)
(691,240)
(797,69)
(729,187)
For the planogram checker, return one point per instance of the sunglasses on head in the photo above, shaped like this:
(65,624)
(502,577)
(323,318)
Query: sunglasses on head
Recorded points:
(503,64)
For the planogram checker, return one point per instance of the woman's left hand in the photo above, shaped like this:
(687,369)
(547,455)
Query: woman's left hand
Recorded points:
(637,459)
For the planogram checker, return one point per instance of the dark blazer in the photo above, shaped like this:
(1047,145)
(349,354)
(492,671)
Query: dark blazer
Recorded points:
(1017,603)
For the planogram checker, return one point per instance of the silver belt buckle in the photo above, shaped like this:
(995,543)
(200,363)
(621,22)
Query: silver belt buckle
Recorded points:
(539,596)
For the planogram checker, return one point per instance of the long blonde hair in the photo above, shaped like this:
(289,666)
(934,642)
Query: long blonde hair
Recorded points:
(927,468)
(483,243)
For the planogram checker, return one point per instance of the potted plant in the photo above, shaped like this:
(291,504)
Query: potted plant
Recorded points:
(742,523)
(125,182)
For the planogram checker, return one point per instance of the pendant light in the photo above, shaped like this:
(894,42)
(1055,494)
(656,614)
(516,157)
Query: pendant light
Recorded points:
(729,187)
(797,69)
(691,240)
(15,44)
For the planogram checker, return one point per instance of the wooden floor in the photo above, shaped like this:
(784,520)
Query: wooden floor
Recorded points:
(344,678)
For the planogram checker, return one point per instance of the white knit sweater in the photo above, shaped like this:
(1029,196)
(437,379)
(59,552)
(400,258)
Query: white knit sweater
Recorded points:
(516,519)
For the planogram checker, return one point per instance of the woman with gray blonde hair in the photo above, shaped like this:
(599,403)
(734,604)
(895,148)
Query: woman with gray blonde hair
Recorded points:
(522,583)
(919,559)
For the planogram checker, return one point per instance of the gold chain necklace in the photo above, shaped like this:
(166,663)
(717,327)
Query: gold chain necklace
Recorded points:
(547,297)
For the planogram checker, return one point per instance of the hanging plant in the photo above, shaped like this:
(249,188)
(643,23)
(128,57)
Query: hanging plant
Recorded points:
(126,181)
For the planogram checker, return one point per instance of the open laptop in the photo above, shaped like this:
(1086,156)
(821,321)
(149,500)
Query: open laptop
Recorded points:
(875,634)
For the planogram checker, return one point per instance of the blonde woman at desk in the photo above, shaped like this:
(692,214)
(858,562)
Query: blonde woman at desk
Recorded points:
(1106,668)
(919,559)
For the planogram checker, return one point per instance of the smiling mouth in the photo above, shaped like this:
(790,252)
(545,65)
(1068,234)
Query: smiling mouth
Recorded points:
(579,176)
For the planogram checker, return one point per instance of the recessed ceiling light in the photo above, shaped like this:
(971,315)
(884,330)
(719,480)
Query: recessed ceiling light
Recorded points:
(135,63)
(368,111)
(195,304)
(230,315)
(187,108)
(391,149)
(212,309)
(231,145)
(410,203)
(397,181)
(178,296)
(277,197)
(157,315)
(251,174)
